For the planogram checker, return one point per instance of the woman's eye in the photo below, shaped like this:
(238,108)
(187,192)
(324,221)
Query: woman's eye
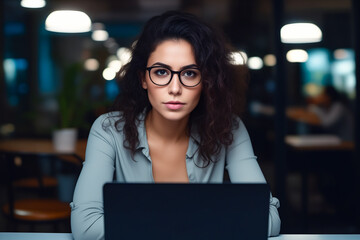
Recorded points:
(189,74)
(161,72)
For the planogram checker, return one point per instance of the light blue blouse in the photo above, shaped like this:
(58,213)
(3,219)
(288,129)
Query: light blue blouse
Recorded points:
(106,159)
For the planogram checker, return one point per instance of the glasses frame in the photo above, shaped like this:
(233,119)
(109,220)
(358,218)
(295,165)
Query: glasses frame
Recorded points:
(172,74)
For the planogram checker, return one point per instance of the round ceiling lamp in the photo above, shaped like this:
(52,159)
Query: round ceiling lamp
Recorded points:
(270,60)
(255,63)
(33,3)
(68,21)
(100,35)
(300,33)
(297,56)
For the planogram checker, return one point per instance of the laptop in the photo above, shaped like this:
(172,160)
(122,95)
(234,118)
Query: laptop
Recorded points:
(186,211)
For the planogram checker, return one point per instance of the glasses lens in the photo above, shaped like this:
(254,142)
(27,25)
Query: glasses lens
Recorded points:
(190,77)
(160,75)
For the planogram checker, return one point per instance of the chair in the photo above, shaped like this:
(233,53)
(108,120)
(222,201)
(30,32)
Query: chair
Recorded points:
(37,204)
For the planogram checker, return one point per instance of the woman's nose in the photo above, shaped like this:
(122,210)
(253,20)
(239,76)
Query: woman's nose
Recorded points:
(175,87)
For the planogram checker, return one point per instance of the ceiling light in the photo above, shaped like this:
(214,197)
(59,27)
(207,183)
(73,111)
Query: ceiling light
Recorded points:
(100,35)
(68,21)
(270,60)
(124,54)
(255,63)
(340,54)
(115,65)
(33,3)
(300,33)
(109,74)
(91,64)
(297,55)
(238,58)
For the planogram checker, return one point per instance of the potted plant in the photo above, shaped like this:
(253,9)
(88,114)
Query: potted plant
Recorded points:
(71,108)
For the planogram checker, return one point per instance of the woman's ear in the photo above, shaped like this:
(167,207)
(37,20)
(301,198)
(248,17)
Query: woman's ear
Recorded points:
(143,81)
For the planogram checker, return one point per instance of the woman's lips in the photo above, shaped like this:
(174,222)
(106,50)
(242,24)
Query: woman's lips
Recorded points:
(174,105)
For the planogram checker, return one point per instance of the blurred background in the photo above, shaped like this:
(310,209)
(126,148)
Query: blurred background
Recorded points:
(52,78)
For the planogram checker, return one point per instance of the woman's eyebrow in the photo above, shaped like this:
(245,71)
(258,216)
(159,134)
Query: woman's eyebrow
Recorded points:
(161,64)
(169,67)
(189,66)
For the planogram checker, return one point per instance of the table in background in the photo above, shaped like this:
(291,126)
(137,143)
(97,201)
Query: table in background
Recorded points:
(41,147)
(308,150)
(68,236)
(16,152)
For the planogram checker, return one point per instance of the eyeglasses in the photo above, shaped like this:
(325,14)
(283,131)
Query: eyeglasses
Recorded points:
(162,76)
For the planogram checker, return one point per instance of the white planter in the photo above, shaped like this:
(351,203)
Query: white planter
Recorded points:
(64,140)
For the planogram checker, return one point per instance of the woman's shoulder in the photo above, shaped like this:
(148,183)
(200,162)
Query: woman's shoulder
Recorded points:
(108,120)
(239,130)
(238,123)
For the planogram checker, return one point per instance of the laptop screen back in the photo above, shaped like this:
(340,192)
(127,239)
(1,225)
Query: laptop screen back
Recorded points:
(186,211)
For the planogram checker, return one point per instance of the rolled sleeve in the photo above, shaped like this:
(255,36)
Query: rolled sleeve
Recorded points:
(87,215)
(243,167)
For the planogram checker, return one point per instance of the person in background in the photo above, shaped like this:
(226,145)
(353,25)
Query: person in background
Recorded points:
(177,119)
(329,111)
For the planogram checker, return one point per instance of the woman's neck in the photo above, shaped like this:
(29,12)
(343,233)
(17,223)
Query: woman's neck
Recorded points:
(163,129)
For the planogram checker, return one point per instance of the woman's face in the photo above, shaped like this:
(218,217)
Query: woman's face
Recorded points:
(173,101)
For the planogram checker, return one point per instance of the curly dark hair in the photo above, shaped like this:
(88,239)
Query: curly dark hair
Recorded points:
(223,91)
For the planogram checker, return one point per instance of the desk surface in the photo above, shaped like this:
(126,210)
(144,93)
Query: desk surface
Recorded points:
(39,147)
(68,236)
(318,143)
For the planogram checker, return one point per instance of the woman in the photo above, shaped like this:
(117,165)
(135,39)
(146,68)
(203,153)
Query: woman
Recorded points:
(333,114)
(174,121)
(329,110)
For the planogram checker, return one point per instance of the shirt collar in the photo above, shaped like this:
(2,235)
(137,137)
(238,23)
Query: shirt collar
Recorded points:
(193,144)
(143,144)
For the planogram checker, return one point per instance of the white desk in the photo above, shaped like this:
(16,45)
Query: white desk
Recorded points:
(317,237)
(68,236)
(34,236)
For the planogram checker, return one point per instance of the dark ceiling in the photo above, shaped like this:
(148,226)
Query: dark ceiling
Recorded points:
(247,23)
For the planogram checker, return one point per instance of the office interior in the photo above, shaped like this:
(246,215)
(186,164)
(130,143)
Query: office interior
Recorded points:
(313,172)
